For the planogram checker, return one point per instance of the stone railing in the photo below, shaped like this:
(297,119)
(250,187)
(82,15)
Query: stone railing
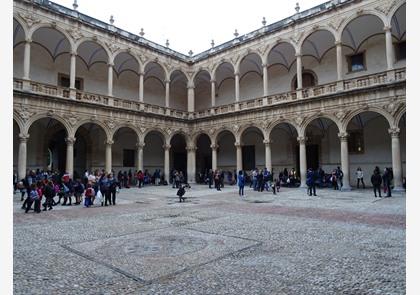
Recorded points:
(274,99)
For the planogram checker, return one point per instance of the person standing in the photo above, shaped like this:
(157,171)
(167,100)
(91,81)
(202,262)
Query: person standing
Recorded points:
(89,193)
(376,180)
(49,194)
(359,175)
(241,184)
(112,188)
(32,198)
(210,177)
(387,177)
(310,182)
(340,177)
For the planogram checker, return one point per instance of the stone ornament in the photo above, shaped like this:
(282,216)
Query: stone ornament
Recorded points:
(111,124)
(30,19)
(24,113)
(73,119)
(75,33)
(386,6)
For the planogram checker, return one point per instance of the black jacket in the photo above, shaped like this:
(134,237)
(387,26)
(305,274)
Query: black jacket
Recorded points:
(376,179)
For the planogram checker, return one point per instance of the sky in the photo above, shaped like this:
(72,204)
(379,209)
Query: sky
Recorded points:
(189,24)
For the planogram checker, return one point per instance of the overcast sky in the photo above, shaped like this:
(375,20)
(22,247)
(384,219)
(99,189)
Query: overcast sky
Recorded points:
(189,24)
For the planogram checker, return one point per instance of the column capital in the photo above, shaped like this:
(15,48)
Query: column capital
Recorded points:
(394,132)
(28,40)
(70,140)
(141,73)
(338,43)
(190,87)
(109,142)
(267,141)
(23,137)
(110,64)
(73,53)
(387,29)
(298,55)
(191,148)
(213,81)
(140,145)
(167,81)
(214,146)
(238,144)
(166,147)
(343,136)
(301,139)
(264,65)
(237,73)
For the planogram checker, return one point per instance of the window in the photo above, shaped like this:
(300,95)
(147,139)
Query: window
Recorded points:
(356,62)
(355,143)
(308,80)
(400,50)
(64,81)
(128,158)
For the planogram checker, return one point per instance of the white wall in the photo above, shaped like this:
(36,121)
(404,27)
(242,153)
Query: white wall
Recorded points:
(251,86)
(126,85)
(178,97)
(225,93)
(154,92)
(202,96)
(280,79)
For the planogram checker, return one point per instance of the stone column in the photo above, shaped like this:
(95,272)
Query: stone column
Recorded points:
(140,146)
(70,155)
(110,77)
(213,93)
(190,98)
(267,144)
(238,156)
(265,80)
(214,148)
(345,161)
(338,47)
(299,71)
(237,94)
(167,85)
(191,163)
(396,158)
(141,87)
(108,155)
(73,70)
(302,160)
(23,138)
(389,48)
(167,148)
(27,60)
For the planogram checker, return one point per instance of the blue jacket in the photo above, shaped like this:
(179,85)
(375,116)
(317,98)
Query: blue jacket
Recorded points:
(241,180)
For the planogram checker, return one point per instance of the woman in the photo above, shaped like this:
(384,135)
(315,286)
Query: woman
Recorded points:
(359,175)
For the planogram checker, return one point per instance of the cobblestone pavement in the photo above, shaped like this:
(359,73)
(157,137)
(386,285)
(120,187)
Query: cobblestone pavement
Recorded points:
(214,243)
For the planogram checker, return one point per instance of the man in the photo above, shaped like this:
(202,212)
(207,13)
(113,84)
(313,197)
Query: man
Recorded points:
(49,194)
(376,180)
(340,176)
(387,177)
(210,177)
(310,182)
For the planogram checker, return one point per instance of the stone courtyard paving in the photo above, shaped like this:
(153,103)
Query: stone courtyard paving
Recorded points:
(214,243)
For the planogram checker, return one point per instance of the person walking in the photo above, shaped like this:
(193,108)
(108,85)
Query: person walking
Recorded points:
(376,180)
(49,193)
(359,175)
(89,193)
(32,198)
(241,184)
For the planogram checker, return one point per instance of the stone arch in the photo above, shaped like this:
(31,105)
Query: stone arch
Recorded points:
(187,138)
(100,124)
(393,11)
(388,117)
(129,126)
(116,53)
(198,71)
(398,117)
(220,131)
(159,131)
(307,121)
(335,34)
(156,61)
(279,41)
(19,121)
(274,123)
(213,74)
(179,69)
(243,128)
(94,40)
(245,54)
(356,15)
(22,23)
(35,28)
(60,119)
(196,135)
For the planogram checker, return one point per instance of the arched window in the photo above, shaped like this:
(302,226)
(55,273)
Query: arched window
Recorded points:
(308,80)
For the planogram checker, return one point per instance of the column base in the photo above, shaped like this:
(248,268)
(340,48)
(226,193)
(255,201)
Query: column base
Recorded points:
(346,188)
(72,93)
(26,84)
(398,189)
(299,93)
(303,185)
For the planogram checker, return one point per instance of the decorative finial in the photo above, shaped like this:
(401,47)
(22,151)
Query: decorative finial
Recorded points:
(75,5)
(111,20)
(167,43)
(297,8)
(264,22)
(141,32)
(236,34)
(212,43)
(190,52)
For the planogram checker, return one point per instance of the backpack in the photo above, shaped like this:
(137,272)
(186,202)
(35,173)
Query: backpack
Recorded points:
(65,189)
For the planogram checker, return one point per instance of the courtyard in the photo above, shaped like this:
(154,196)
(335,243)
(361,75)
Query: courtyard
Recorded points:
(214,243)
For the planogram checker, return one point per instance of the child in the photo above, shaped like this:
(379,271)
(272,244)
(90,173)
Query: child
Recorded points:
(89,193)
(276,186)
(181,193)
(32,197)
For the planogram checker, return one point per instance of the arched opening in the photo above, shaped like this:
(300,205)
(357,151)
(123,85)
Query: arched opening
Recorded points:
(323,148)
(369,144)
(92,68)
(154,84)
(364,47)
(318,56)
(398,26)
(280,67)
(50,59)
(202,91)
(403,142)
(18,49)
(46,147)
(203,156)
(226,154)
(178,95)
(124,151)
(178,155)
(251,79)
(89,148)
(284,154)
(16,131)
(225,84)
(126,82)
(153,154)
(253,150)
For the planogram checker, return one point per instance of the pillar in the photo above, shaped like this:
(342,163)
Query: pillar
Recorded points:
(345,161)
(238,156)
(396,158)
(23,139)
(110,76)
(167,93)
(140,146)
(108,156)
(27,60)
(191,163)
(190,98)
(265,80)
(73,70)
(299,70)
(214,148)
(70,155)
(267,144)
(389,48)
(338,47)
(167,148)
(213,93)
(302,160)
(237,87)
(141,87)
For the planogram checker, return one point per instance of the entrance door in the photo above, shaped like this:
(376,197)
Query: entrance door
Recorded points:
(248,157)
(180,162)
(312,157)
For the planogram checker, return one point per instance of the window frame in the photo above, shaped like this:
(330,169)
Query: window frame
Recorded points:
(349,65)
(62,75)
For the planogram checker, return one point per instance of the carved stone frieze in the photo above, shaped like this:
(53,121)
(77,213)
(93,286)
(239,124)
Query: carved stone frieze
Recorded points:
(30,18)
(386,6)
